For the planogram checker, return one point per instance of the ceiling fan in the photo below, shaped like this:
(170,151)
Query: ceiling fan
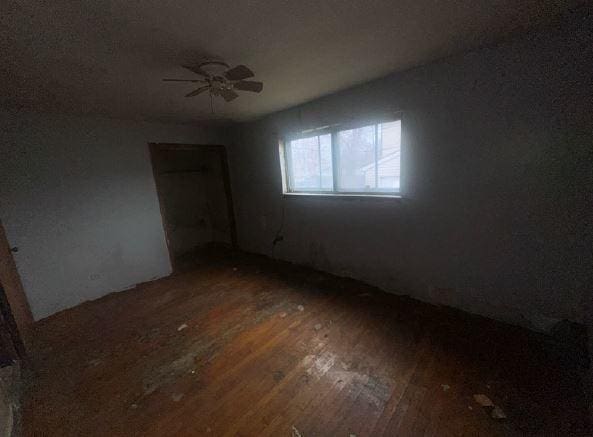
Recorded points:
(221,80)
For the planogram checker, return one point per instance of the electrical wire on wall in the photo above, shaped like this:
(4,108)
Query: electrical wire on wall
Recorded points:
(279,237)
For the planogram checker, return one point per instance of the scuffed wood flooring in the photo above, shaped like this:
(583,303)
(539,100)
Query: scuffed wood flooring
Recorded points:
(244,346)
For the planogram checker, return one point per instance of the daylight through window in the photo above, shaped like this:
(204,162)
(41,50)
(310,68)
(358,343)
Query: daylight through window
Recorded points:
(363,160)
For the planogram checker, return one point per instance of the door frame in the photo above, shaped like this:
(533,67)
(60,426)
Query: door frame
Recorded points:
(14,304)
(226,180)
(10,337)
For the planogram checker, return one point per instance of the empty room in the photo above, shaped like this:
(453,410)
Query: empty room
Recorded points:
(296,218)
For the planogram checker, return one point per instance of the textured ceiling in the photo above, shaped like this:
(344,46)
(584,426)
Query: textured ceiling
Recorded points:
(108,57)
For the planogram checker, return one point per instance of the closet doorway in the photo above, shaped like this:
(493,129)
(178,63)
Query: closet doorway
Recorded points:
(194,192)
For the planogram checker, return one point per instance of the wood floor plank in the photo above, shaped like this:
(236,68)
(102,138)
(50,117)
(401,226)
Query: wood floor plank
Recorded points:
(313,388)
(292,382)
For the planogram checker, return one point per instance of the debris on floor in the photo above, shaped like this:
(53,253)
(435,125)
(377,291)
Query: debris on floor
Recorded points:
(445,387)
(149,336)
(234,269)
(94,363)
(301,308)
(318,326)
(282,314)
(134,406)
(295,432)
(182,327)
(483,400)
(177,397)
(497,413)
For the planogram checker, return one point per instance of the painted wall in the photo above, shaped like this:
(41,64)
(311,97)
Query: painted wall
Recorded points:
(78,199)
(496,176)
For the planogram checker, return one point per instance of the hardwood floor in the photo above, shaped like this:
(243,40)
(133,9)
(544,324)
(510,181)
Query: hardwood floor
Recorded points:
(245,346)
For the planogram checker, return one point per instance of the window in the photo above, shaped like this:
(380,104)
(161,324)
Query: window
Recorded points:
(361,160)
(311,164)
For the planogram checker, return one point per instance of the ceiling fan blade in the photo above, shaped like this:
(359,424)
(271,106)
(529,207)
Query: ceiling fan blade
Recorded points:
(239,72)
(249,85)
(198,91)
(183,80)
(197,70)
(228,95)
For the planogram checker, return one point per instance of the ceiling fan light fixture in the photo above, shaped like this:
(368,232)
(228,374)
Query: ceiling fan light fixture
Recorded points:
(221,80)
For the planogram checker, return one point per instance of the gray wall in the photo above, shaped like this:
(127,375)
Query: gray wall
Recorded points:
(78,198)
(496,157)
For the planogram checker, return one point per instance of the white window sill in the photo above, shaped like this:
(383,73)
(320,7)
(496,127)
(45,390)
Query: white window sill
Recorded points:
(346,196)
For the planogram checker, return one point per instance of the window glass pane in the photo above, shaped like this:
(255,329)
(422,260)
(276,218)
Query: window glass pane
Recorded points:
(310,164)
(356,158)
(327,178)
(389,144)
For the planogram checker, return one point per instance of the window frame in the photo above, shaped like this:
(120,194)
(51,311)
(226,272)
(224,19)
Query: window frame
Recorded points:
(285,167)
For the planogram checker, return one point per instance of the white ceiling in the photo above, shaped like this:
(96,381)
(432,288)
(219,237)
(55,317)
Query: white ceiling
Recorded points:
(108,57)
